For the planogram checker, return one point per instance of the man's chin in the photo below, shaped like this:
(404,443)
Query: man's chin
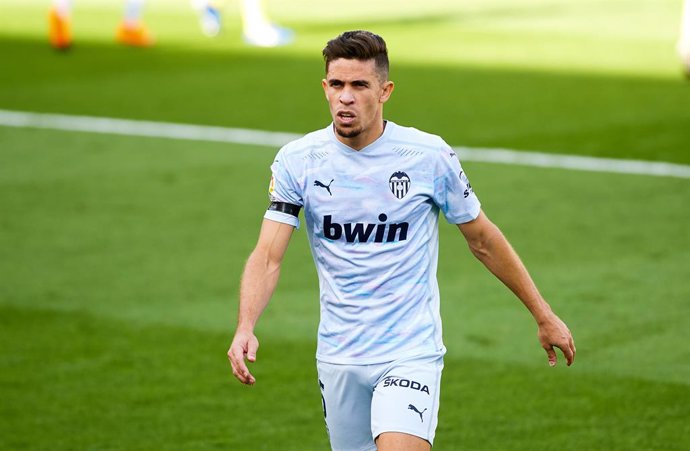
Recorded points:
(348,132)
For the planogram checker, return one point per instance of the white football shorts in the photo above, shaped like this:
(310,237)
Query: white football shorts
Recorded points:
(360,402)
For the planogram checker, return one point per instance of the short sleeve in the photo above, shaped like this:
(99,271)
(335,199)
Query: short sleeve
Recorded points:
(283,188)
(453,193)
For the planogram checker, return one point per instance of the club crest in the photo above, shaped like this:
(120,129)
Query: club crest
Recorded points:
(399,184)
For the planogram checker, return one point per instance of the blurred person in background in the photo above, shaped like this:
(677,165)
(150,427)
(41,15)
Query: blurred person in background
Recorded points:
(684,39)
(257,29)
(131,30)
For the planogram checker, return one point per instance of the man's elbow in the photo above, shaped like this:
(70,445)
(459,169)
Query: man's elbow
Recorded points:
(484,243)
(479,248)
(481,235)
(264,258)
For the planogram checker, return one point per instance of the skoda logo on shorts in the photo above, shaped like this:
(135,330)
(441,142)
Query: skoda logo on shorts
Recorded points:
(399,184)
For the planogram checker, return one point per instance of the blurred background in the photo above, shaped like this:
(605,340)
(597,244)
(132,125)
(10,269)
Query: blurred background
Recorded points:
(120,255)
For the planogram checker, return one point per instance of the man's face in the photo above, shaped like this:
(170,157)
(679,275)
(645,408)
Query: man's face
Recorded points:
(356,94)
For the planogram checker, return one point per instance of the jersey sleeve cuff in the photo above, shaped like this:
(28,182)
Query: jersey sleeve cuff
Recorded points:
(285,218)
(469,216)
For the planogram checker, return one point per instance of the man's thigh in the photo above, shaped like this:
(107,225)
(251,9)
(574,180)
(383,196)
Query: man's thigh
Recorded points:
(406,398)
(346,392)
(398,441)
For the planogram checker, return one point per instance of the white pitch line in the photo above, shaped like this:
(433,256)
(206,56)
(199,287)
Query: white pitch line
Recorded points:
(574,162)
(129,127)
(192,132)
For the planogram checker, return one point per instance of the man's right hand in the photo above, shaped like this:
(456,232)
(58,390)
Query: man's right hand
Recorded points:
(244,346)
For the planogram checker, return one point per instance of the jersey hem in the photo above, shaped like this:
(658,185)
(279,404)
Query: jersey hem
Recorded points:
(379,360)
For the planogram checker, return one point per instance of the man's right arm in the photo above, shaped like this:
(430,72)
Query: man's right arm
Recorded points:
(259,279)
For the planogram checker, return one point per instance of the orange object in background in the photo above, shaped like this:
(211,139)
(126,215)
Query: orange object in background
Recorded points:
(135,36)
(59,31)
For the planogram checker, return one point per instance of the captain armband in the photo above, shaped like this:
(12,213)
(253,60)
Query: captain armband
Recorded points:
(284,207)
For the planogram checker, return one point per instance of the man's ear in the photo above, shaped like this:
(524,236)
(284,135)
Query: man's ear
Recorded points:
(388,88)
(324,85)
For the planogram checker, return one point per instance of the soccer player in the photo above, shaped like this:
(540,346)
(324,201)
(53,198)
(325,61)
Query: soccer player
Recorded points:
(258,30)
(131,30)
(684,39)
(372,191)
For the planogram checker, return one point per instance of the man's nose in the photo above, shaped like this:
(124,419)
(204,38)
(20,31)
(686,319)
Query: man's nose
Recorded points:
(346,97)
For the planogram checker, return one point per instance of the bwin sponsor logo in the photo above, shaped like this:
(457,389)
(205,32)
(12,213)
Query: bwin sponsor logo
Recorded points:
(359,232)
(405,383)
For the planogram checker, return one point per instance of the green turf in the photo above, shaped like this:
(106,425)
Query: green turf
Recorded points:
(120,257)
(92,383)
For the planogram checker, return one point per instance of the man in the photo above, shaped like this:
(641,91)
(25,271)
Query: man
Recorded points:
(257,29)
(371,192)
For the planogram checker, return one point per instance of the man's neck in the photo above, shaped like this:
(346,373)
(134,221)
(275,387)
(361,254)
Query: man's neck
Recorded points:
(362,140)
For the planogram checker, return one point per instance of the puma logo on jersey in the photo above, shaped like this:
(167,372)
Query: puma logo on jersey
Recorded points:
(361,233)
(328,187)
(411,407)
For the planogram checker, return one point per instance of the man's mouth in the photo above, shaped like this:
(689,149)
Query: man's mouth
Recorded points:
(346,117)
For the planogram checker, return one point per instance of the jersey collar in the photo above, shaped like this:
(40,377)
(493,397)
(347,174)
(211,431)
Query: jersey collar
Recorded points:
(387,131)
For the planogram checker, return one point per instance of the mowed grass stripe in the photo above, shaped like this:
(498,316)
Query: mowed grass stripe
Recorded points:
(192,132)
(90,383)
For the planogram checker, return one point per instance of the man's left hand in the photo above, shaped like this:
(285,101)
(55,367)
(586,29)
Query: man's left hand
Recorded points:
(554,333)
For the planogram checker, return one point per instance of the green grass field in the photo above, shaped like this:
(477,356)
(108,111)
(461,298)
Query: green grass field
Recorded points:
(120,256)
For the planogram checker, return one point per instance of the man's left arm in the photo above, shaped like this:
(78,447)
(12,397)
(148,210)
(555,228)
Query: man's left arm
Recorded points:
(488,244)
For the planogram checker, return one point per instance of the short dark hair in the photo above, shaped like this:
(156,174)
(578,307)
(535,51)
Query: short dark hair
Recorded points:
(360,45)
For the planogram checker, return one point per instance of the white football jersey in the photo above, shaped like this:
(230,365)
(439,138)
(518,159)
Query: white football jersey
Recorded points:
(372,222)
